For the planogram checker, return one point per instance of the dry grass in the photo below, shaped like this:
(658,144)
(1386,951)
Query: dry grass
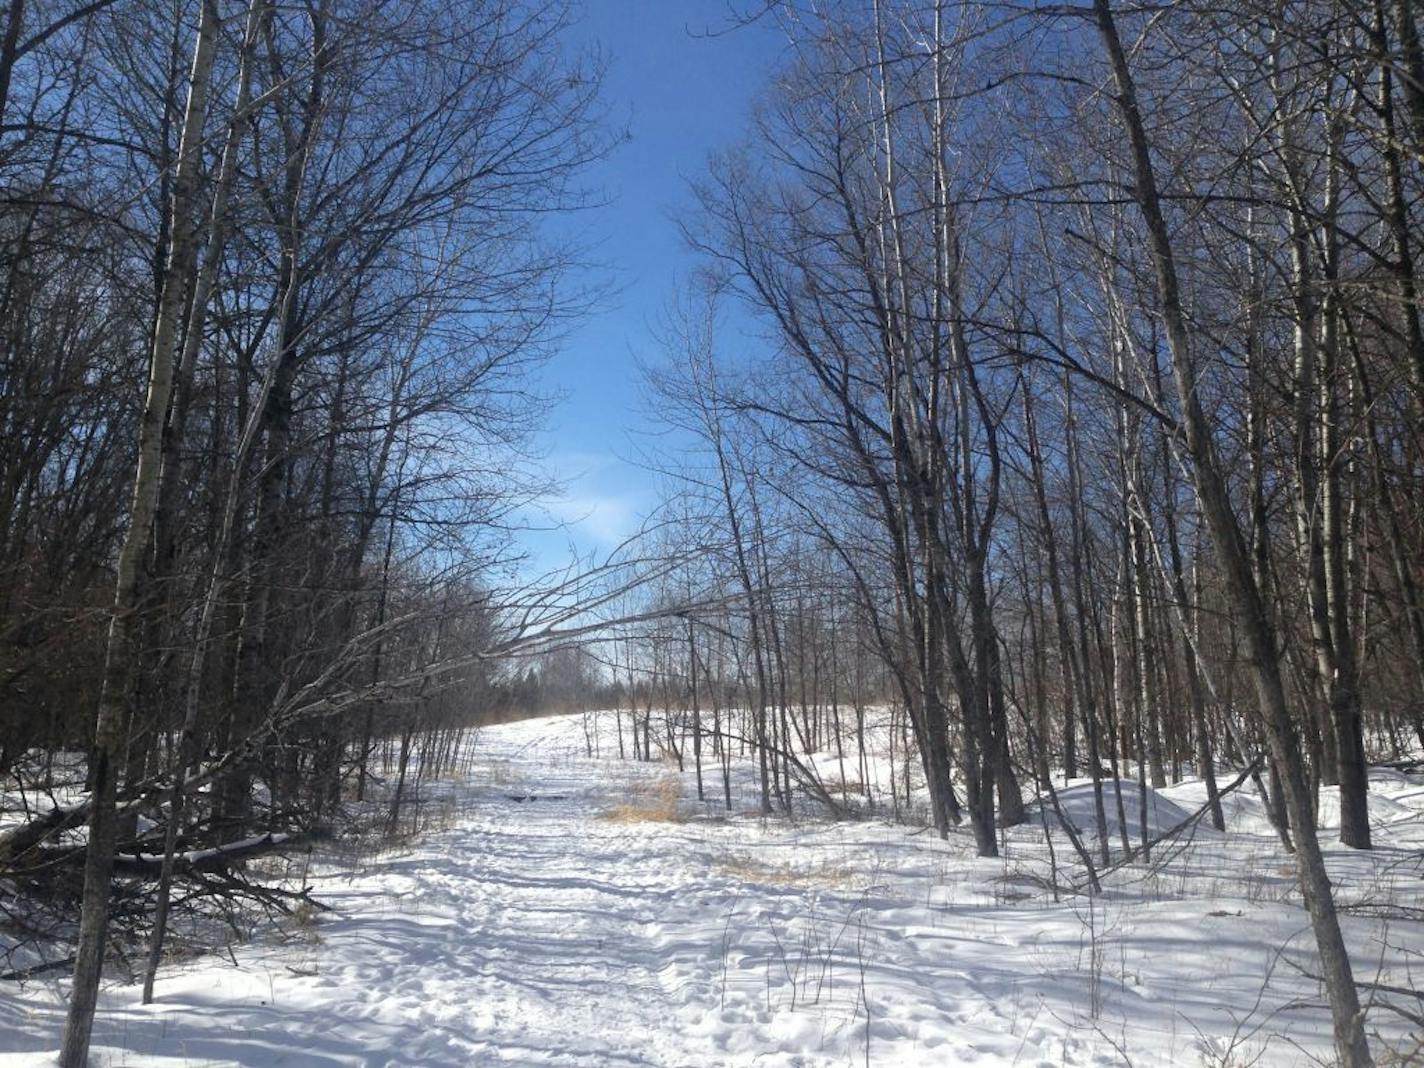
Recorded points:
(648,801)
(501,773)
(750,870)
(440,813)
(300,925)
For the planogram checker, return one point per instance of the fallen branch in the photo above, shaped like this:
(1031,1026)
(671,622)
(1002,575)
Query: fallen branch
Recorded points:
(205,859)
(19,975)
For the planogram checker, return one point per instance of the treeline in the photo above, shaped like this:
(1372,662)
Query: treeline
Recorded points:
(816,716)
(568,678)
(273,279)
(1070,360)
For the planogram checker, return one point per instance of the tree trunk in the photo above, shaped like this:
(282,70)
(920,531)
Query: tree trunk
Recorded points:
(130,585)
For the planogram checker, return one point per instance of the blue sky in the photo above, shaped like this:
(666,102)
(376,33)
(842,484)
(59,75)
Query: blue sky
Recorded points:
(683,94)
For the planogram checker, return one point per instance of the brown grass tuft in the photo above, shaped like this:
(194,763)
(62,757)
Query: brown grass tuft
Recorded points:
(301,923)
(650,801)
(750,870)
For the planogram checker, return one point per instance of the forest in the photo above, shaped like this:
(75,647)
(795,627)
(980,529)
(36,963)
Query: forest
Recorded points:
(1047,405)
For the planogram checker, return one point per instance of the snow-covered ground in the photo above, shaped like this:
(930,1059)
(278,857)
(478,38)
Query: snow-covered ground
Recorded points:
(562,919)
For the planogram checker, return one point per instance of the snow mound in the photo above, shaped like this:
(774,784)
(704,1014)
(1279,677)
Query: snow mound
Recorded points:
(1383,808)
(1077,804)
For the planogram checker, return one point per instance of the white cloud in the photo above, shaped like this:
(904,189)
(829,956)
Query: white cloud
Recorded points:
(604,519)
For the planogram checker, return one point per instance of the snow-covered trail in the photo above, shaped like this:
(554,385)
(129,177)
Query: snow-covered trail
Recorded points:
(529,933)
(547,927)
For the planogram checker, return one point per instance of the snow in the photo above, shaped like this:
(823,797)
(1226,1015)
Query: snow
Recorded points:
(560,921)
